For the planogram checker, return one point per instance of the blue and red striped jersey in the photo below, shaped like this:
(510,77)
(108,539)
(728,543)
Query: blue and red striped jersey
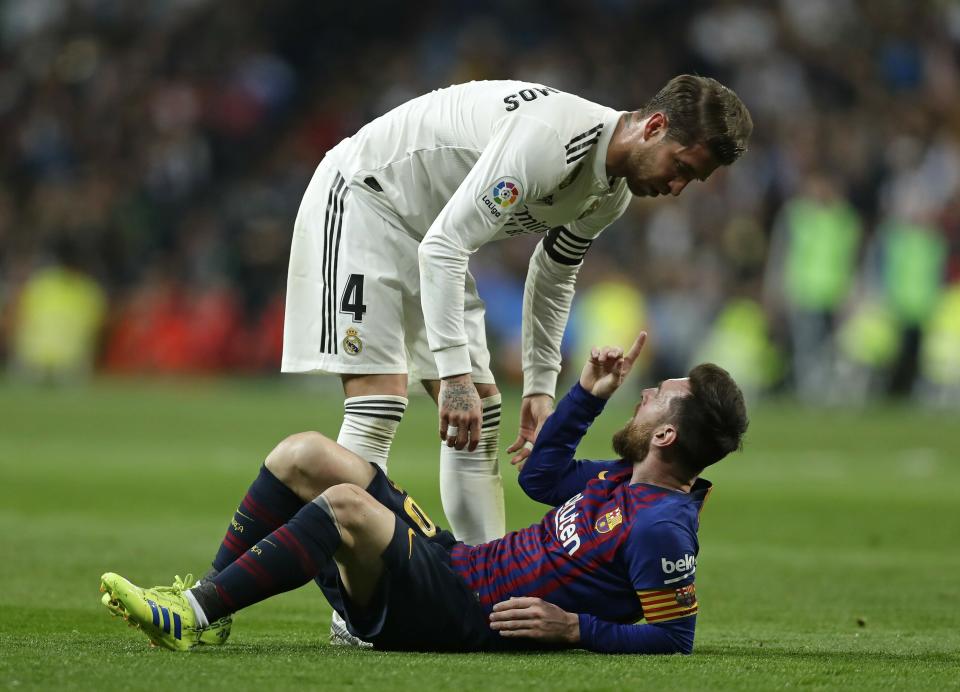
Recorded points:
(611,551)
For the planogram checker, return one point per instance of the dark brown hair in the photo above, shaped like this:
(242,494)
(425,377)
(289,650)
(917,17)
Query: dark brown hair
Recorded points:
(712,419)
(700,110)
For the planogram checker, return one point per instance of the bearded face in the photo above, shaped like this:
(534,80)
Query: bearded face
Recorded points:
(632,441)
(663,166)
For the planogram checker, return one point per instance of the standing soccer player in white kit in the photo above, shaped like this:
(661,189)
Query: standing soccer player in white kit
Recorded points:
(378,288)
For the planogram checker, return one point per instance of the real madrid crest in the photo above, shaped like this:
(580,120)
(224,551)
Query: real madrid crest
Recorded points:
(351,342)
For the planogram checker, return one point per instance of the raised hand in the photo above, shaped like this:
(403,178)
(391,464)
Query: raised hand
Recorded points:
(608,366)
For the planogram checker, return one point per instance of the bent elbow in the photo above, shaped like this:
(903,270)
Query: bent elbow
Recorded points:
(523,479)
(528,483)
(436,245)
(427,250)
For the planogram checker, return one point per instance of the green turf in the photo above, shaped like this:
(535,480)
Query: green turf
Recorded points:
(829,549)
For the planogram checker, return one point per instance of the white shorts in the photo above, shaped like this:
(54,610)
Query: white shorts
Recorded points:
(353,290)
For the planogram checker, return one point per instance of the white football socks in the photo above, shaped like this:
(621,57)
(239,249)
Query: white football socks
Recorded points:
(369,424)
(470,485)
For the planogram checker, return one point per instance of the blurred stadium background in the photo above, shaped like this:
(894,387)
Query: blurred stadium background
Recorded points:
(153,155)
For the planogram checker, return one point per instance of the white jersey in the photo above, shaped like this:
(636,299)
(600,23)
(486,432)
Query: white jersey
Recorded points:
(476,162)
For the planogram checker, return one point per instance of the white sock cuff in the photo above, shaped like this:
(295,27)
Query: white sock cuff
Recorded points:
(385,406)
(491,400)
(491,413)
(369,424)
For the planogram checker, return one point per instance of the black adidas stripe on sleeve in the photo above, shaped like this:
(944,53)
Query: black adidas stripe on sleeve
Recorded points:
(580,146)
(564,247)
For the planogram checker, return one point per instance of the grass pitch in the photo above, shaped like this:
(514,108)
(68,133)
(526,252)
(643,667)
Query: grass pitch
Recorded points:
(829,548)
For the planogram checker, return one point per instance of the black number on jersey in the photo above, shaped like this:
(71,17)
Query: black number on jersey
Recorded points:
(352,299)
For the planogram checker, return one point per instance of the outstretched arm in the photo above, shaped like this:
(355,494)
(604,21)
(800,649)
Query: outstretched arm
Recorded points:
(547,295)
(534,618)
(551,474)
(524,154)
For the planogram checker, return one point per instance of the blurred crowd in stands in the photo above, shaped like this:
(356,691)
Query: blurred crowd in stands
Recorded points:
(153,155)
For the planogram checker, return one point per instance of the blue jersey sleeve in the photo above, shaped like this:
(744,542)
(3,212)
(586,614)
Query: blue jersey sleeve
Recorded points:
(661,560)
(661,555)
(674,637)
(550,474)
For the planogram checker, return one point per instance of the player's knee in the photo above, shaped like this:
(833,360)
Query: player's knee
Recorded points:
(349,503)
(299,456)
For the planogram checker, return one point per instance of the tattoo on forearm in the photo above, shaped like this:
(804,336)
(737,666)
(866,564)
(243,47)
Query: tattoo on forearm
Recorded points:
(459,397)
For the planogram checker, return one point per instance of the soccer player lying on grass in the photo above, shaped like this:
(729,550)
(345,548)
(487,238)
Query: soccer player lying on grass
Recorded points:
(619,545)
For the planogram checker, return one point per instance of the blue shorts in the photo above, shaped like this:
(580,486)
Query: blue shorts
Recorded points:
(421,603)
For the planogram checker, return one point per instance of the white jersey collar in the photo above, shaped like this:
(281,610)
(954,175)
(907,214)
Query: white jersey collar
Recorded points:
(602,180)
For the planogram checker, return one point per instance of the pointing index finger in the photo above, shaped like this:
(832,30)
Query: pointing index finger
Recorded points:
(636,348)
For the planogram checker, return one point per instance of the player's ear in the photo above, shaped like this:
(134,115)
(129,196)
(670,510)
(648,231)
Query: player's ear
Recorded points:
(655,126)
(664,435)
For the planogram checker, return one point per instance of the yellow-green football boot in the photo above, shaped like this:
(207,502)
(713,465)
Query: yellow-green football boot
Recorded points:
(162,612)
